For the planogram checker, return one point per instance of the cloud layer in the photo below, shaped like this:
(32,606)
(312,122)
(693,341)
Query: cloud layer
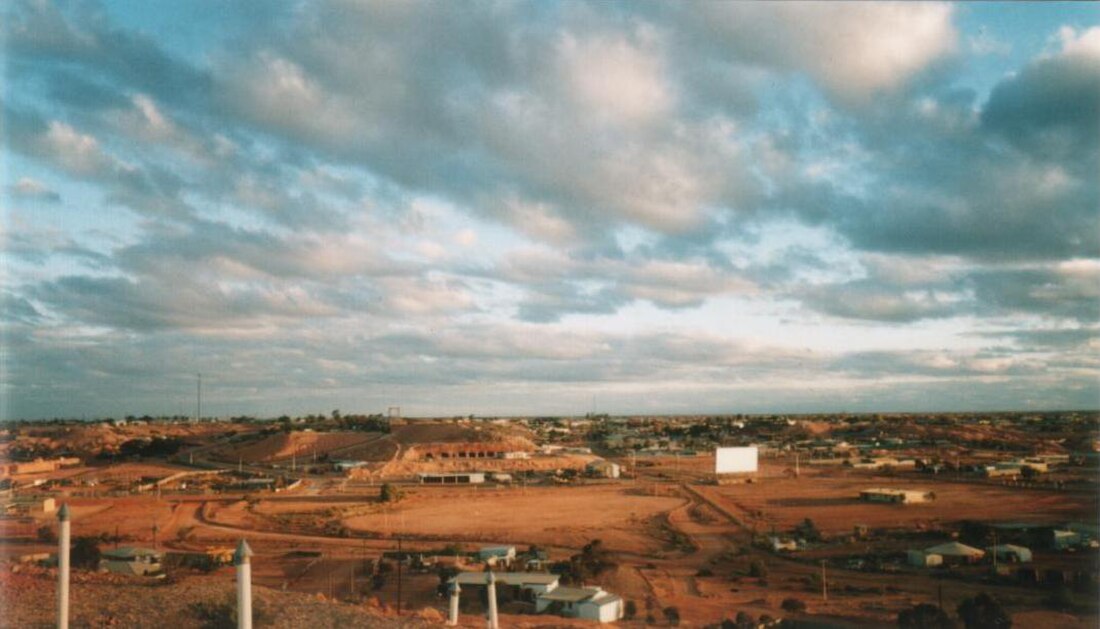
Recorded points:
(509,208)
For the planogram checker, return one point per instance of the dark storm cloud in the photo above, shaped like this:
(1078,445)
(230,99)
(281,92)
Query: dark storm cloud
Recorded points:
(1051,109)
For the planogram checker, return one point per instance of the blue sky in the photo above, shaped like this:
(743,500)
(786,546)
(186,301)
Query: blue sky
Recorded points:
(532,208)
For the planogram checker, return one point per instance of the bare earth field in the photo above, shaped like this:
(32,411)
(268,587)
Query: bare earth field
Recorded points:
(832,503)
(553,516)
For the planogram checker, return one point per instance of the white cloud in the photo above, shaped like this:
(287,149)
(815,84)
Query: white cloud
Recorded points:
(1085,44)
(853,49)
(614,79)
(80,153)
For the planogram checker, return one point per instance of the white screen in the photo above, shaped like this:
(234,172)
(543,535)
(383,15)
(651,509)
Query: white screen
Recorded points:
(729,460)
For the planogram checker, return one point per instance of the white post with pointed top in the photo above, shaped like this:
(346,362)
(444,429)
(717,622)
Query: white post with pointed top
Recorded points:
(493,622)
(63,536)
(242,559)
(452,616)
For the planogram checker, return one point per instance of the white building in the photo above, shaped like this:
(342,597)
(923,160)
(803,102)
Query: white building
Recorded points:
(591,603)
(494,555)
(924,559)
(897,496)
(604,469)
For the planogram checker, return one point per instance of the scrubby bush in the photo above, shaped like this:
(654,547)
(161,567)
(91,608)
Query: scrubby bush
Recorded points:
(758,569)
(630,610)
(85,553)
(983,612)
(793,605)
(223,615)
(924,616)
(390,493)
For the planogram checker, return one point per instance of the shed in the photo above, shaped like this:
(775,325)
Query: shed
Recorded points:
(130,560)
(1061,540)
(924,559)
(955,552)
(1010,552)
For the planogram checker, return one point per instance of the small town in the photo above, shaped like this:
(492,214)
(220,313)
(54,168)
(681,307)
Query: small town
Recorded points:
(855,518)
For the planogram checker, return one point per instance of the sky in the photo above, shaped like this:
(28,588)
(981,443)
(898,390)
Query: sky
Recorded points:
(502,208)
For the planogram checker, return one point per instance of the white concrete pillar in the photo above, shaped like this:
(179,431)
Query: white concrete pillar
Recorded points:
(452,615)
(493,622)
(242,559)
(63,538)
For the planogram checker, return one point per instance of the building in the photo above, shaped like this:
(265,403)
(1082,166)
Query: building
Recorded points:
(956,553)
(533,583)
(131,560)
(1010,553)
(494,555)
(455,478)
(603,469)
(30,504)
(591,603)
(543,589)
(923,559)
(778,544)
(1000,471)
(896,496)
(1061,540)
(38,466)
(345,466)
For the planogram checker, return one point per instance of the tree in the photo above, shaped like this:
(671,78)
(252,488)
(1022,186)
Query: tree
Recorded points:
(744,620)
(983,612)
(46,535)
(390,493)
(223,615)
(672,615)
(808,531)
(758,569)
(85,553)
(924,616)
(793,605)
(630,610)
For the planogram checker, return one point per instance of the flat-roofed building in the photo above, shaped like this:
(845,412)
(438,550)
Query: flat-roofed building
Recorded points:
(130,560)
(896,496)
(455,478)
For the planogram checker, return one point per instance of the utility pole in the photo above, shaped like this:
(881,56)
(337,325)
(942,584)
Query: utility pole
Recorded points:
(154,535)
(242,559)
(63,537)
(994,552)
(399,562)
(824,583)
(198,399)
